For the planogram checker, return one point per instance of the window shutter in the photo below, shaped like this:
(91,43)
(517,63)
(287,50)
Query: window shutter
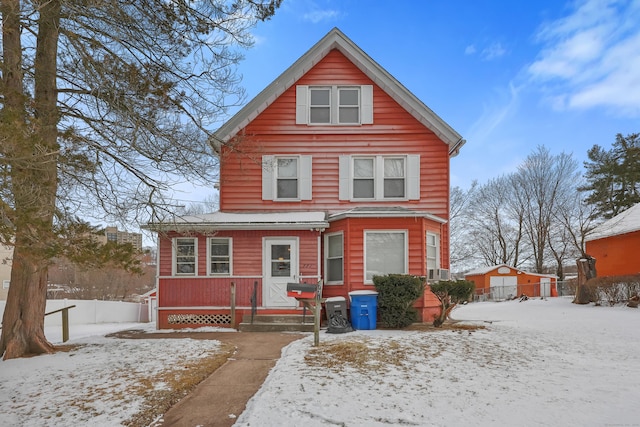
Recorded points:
(344,167)
(413,177)
(267,177)
(302,104)
(305,177)
(367,104)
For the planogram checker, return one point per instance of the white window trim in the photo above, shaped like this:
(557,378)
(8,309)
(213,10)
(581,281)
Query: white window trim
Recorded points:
(437,240)
(175,256)
(6,284)
(270,180)
(411,173)
(326,258)
(230,242)
(364,251)
(303,104)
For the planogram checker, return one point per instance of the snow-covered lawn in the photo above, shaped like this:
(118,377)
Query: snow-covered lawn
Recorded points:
(539,362)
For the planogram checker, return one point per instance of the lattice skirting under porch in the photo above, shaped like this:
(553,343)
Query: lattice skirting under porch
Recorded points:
(199,319)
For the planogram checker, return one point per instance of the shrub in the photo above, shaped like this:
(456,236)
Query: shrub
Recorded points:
(613,290)
(396,295)
(450,293)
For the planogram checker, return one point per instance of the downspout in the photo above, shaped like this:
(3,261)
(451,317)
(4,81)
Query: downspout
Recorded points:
(455,150)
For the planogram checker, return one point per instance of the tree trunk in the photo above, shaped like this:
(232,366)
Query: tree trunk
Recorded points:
(586,271)
(34,184)
(23,319)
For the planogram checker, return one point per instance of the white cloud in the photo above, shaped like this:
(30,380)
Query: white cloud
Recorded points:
(591,58)
(495,50)
(470,50)
(321,15)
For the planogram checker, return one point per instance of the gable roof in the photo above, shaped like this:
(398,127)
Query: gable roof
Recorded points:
(335,39)
(625,222)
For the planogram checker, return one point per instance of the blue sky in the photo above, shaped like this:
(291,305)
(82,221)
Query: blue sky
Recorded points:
(508,76)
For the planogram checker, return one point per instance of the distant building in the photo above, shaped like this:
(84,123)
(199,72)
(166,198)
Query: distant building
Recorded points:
(6,255)
(112,234)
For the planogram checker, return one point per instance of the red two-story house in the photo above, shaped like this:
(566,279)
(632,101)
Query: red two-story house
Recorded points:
(334,173)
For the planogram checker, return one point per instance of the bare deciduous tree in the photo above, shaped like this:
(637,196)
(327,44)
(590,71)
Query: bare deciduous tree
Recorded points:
(103,104)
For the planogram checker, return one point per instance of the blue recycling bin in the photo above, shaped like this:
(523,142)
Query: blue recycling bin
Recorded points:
(364,305)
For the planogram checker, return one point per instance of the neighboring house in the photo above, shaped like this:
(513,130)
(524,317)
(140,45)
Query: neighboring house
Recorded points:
(334,173)
(6,255)
(500,282)
(615,244)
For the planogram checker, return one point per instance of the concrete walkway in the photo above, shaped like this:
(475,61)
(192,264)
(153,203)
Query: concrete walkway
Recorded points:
(221,398)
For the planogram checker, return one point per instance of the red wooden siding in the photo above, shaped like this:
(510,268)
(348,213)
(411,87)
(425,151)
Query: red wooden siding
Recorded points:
(616,255)
(274,132)
(203,290)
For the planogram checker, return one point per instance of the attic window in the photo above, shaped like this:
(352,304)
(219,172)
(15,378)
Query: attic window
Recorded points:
(334,105)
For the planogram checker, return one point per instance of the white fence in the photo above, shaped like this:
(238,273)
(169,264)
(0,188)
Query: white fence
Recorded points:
(94,311)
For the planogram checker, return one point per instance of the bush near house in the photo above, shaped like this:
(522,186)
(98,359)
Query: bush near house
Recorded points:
(613,290)
(397,293)
(450,293)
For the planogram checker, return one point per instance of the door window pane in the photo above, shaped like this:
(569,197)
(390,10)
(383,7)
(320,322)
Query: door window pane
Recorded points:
(280,260)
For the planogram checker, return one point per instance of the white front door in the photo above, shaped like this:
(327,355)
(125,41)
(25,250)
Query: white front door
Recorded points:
(280,267)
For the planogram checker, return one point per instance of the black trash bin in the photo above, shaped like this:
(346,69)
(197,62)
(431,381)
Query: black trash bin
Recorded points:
(336,308)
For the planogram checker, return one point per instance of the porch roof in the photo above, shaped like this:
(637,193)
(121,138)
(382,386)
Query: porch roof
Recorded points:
(246,221)
(384,212)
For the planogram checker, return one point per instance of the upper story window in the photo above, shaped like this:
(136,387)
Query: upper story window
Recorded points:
(380,177)
(334,105)
(220,255)
(286,178)
(185,255)
(320,105)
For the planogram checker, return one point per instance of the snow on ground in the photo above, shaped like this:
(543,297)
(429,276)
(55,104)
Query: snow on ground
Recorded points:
(93,384)
(536,363)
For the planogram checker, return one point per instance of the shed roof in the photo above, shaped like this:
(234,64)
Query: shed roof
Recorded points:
(485,270)
(625,222)
(335,39)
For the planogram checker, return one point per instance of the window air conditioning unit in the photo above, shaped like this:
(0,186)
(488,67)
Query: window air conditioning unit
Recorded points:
(444,274)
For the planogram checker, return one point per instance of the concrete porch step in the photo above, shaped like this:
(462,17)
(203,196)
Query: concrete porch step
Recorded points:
(277,323)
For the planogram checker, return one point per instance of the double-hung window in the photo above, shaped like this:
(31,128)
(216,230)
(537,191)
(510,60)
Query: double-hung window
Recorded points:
(385,253)
(379,178)
(286,178)
(334,105)
(5,284)
(220,256)
(433,260)
(334,251)
(185,256)
(320,105)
